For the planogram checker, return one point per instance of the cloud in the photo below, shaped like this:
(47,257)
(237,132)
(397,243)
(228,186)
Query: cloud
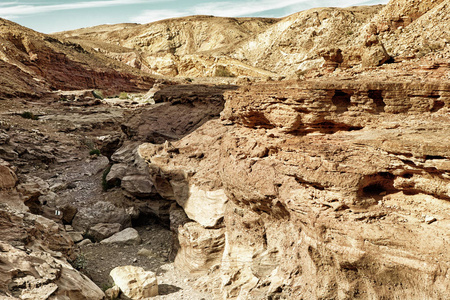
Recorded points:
(244,8)
(19,10)
(159,14)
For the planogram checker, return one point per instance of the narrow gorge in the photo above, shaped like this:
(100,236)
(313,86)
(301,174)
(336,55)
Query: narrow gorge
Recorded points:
(306,157)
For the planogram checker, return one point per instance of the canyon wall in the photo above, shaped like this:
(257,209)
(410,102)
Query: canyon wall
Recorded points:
(315,190)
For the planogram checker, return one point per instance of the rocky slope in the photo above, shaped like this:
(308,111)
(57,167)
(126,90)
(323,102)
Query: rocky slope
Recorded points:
(190,46)
(34,63)
(364,36)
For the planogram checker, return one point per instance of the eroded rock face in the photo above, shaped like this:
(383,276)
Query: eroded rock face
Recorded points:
(331,190)
(33,231)
(37,275)
(135,282)
(34,252)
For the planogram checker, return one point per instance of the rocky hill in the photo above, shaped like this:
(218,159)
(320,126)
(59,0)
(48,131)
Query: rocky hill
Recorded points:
(34,63)
(305,41)
(189,46)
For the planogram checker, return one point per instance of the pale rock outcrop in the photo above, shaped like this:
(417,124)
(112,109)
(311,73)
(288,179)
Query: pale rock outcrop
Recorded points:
(45,277)
(205,207)
(135,282)
(199,248)
(128,236)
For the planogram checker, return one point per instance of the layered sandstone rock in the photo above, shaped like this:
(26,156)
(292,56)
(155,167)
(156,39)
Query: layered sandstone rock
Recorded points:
(34,254)
(334,189)
(34,63)
(38,275)
(135,283)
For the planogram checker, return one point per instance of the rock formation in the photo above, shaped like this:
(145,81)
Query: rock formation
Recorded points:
(33,64)
(332,185)
(325,185)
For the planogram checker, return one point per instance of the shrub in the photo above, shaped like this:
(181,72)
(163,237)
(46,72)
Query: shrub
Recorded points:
(29,115)
(123,95)
(222,71)
(94,152)
(80,262)
(97,94)
(105,185)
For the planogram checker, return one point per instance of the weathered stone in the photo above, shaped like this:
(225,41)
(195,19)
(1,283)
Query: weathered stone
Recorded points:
(46,277)
(135,282)
(8,178)
(374,56)
(102,231)
(128,236)
(117,172)
(85,242)
(205,207)
(312,171)
(68,212)
(138,185)
(100,212)
(33,231)
(199,248)
(76,236)
(112,293)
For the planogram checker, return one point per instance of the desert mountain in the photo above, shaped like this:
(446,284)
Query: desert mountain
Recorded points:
(305,41)
(34,63)
(190,46)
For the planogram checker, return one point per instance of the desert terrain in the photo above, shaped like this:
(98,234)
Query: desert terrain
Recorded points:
(305,157)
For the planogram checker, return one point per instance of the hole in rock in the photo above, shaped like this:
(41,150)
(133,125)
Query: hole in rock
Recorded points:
(374,189)
(437,105)
(341,100)
(434,157)
(377,98)
(330,127)
(376,184)
(257,119)
(153,215)
(407,175)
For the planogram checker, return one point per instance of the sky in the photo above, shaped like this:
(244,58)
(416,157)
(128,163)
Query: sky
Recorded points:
(49,16)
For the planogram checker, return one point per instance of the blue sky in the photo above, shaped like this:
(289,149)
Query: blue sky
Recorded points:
(51,15)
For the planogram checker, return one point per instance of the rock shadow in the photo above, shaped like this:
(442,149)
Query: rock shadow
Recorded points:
(167,289)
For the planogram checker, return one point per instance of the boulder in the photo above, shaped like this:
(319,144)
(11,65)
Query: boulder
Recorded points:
(135,282)
(138,185)
(8,178)
(374,53)
(76,236)
(68,211)
(128,236)
(102,231)
(116,173)
(100,212)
